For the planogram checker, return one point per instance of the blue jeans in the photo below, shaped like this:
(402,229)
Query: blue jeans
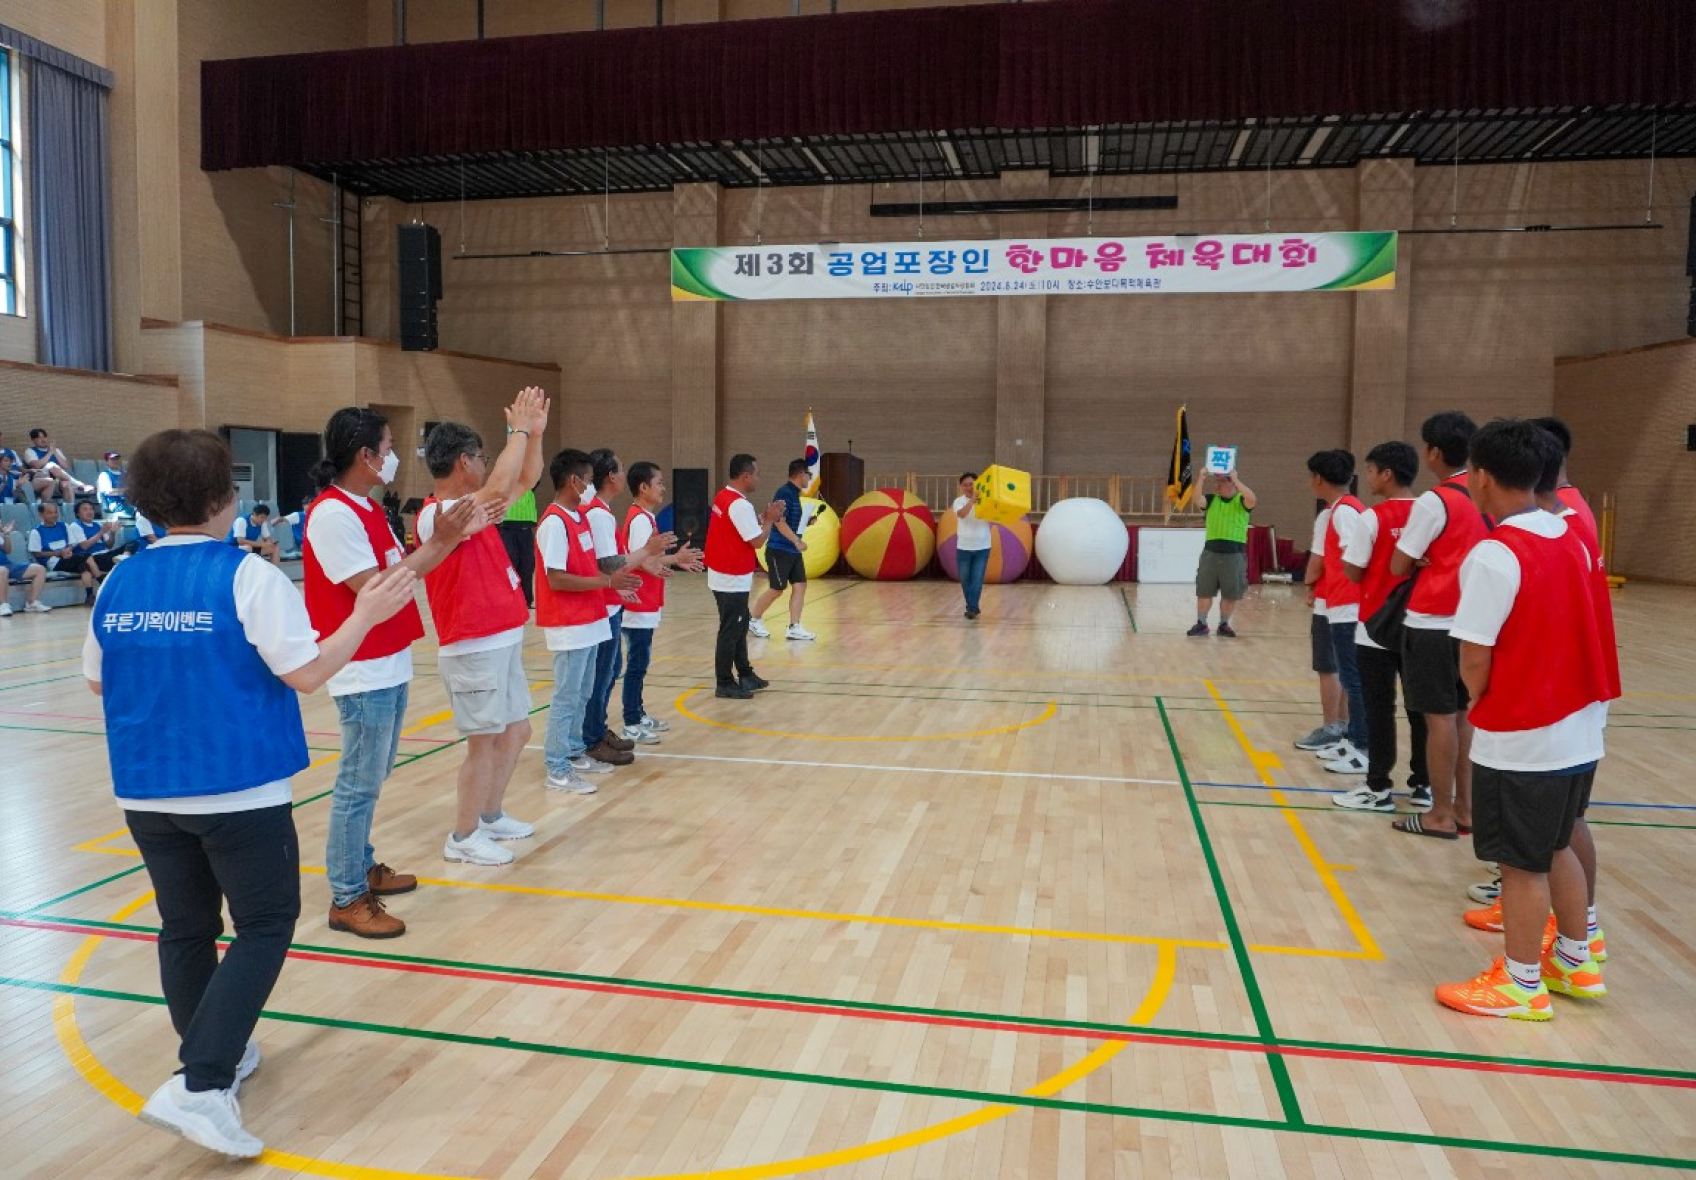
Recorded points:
(636,672)
(973,564)
(1348,671)
(371,724)
(574,675)
(608,657)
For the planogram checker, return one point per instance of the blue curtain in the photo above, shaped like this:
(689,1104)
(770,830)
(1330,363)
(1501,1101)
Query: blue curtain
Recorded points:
(69,218)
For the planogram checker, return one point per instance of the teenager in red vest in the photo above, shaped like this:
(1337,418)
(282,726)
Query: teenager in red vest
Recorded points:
(642,614)
(1390,470)
(1532,656)
(735,531)
(348,541)
(477,604)
(1441,530)
(1330,473)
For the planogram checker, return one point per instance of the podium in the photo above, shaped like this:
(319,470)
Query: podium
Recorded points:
(842,479)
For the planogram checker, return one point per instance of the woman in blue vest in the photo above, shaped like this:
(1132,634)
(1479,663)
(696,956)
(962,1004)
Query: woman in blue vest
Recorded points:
(184,623)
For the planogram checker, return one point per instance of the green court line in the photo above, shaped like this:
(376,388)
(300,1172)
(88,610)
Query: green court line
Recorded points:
(1611,823)
(1239,948)
(93,885)
(33,683)
(1125,598)
(979,1097)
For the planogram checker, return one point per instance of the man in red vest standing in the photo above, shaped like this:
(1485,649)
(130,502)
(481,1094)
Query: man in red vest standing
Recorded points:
(735,532)
(478,604)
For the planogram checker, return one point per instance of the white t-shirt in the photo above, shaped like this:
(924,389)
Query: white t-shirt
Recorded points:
(343,549)
(747,523)
(148,528)
(604,526)
(273,617)
(59,548)
(973,534)
(1357,550)
(1424,525)
(1489,583)
(103,482)
(1348,519)
(554,543)
(81,533)
(641,532)
(1316,548)
(426,527)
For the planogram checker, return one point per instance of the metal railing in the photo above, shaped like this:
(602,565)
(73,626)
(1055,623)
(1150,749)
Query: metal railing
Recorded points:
(1128,495)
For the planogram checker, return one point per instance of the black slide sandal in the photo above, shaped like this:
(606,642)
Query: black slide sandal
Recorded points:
(1413,827)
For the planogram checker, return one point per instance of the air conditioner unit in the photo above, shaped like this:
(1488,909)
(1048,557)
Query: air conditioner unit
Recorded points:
(241,474)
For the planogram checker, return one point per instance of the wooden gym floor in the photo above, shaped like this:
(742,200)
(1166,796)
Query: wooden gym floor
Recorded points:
(1050,895)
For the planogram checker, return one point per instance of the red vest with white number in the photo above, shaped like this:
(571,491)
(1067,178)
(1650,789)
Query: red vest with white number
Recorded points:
(1376,585)
(330,604)
(1548,661)
(609,596)
(727,552)
(650,597)
(1438,590)
(1334,585)
(475,592)
(569,608)
(1577,522)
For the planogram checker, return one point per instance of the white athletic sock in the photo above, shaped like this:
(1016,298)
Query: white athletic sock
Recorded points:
(1592,927)
(1571,951)
(1527,975)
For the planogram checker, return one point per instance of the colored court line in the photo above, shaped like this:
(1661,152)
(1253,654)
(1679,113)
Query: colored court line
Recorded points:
(912,1014)
(681,707)
(1333,790)
(1239,949)
(1610,823)
(1129,613)
(1264,762)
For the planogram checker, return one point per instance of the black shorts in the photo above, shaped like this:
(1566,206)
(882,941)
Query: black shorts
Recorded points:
(1431,672)
(784,568)
(1324,649)
(1521,818)
(78,562)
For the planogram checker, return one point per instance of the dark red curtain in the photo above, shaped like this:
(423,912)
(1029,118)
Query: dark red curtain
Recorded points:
(1063,63)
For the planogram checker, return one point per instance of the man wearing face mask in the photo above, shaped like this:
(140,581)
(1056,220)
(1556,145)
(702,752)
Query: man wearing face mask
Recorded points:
(348,540)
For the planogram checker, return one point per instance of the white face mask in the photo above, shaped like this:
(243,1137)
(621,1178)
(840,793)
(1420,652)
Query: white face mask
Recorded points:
(390,468)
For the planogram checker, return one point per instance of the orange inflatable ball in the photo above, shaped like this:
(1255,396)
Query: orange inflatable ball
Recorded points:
(888,535)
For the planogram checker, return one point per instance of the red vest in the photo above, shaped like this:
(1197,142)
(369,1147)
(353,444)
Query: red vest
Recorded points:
(651,596)
(1575,521)
(727,552)
(569,608)
(1334,585)
(1574,499)
(1548,661)
(330,604)
(475,592)
(1438,590)
(609,596)
(1375,587)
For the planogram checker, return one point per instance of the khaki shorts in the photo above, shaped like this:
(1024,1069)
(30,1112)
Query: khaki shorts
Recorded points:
(1222,573)
(488,690)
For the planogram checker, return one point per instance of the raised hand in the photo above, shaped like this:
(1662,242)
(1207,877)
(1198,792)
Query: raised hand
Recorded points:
(658,543)
(463,519)
(774,512)
(529,411)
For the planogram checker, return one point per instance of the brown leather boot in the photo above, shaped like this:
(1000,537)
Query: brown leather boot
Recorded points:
(611,755)
(385,882)
(367,918)
(616,742)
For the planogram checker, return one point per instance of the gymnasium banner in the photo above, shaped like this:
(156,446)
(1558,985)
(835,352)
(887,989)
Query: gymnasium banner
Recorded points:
(1166,265)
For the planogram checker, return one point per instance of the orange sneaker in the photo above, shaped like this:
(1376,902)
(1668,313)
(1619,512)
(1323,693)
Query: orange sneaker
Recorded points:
(1583,982)
(1494,993)
(1489,918)
(1598,945)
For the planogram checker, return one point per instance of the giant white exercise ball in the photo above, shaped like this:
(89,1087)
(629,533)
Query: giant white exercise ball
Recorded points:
(1082,542)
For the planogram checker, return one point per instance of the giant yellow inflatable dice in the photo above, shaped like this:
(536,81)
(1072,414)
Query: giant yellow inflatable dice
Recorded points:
(1003,494)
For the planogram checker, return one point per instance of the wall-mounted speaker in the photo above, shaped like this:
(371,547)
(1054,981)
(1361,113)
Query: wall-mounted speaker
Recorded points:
(690,504)
(418,253)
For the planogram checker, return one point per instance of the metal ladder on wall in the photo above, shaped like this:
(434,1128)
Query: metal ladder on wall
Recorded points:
(350,287)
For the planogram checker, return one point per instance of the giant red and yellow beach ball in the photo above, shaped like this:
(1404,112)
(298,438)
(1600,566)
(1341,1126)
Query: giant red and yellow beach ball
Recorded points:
(888,535)
(1009,548)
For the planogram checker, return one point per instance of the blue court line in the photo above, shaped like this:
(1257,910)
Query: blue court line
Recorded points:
(1344,787)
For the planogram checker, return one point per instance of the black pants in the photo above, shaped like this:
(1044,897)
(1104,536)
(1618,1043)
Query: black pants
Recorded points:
(730,656)
(519,537)
(1379,671)
(196,861)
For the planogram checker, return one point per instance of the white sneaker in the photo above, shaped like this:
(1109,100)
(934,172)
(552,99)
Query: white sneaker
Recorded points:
(1364,799)
(475,849)
(5,610)
(583,764)
(506,828)
(758,629)
(573,783)
(799,633)
(655,724)
(1335,750)
(641,735)
(210,1118)
(37,608)
(245,1067)
(1352,761)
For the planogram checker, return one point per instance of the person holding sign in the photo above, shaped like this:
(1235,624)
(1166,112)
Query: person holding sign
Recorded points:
(1223,570)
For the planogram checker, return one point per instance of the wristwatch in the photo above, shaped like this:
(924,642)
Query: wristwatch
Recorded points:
(511,430)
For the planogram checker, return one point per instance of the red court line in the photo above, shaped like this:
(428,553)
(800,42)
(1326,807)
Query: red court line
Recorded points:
(486,975)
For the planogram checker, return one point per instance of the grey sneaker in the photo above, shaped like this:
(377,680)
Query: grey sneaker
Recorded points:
(1325,735)
(572,784)
(641,735)
(583,764)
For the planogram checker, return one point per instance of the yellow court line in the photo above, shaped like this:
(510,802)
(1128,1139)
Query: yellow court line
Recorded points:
(1264,763)
(1047,714)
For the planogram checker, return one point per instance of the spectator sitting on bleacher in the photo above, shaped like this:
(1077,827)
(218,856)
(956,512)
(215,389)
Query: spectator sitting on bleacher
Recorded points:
(92,555)
(50,469)
(253,533)
(146,532)
(31,572)
(114,501)
(11,481)
(17,460)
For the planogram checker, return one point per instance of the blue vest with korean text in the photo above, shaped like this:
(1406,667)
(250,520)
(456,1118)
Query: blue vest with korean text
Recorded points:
(175,665)
(50,533)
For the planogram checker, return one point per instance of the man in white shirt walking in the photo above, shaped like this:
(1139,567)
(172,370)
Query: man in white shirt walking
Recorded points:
(734,532)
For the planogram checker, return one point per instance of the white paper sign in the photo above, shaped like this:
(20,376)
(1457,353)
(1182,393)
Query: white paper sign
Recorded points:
(1221,460)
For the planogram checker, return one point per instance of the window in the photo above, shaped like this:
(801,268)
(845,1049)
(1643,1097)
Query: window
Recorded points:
(8,187)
